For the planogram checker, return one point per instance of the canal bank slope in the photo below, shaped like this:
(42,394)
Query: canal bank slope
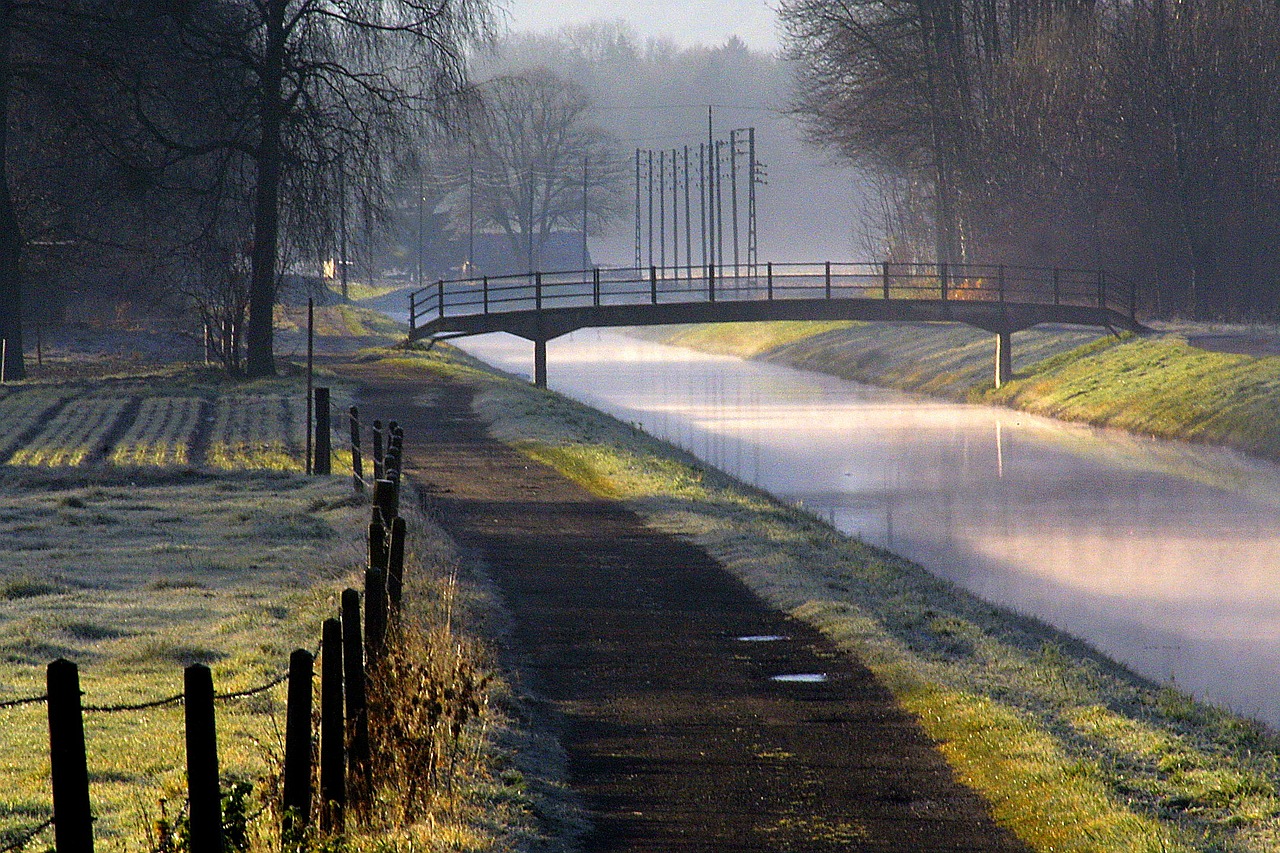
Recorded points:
(1174,383)
(1072,752)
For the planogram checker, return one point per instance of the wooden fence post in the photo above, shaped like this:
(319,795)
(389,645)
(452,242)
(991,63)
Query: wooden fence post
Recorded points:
(72,819)
(395,452)
(386,501)
(389,452)
(297,751)
(311,322)
(323,462)
(395,567)
(377,545)
(375,614)
(357,464)
(333,762)
(359,769)
(377,449)
(204,810)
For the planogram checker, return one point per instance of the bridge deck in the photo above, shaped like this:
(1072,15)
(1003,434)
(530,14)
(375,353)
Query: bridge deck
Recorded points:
(998,299)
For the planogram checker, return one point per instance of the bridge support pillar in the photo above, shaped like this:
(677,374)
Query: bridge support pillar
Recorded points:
(540,363)
(1004,357)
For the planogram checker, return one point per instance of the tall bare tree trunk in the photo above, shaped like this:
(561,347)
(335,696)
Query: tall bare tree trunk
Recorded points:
(10,236)
(259,338)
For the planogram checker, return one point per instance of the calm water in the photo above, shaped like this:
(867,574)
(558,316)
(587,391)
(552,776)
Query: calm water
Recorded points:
(1163,555)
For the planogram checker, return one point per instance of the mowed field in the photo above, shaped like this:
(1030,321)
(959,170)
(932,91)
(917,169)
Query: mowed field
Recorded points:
(147,523)
(154,422)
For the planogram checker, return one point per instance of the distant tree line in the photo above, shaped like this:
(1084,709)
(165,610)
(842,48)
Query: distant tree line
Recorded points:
(1142,136)
(654,94)
(528,160)
(200,145)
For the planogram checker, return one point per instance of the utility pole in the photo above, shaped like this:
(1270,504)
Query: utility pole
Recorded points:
(702,200)
(421,198)
(711,185)
(585,254)
(662,209)
(639,259)
(531,267)
(719,207)
(675,215)
(753,236)
(342,222)
(733,194)
(650,207)
(688,220)
(471,220)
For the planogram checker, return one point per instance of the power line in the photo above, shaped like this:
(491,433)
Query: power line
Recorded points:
(712,165)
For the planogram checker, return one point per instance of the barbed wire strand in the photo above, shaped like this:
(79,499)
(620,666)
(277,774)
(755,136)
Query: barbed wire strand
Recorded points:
(177,699)
(140,706)
(252,691)
(30,700)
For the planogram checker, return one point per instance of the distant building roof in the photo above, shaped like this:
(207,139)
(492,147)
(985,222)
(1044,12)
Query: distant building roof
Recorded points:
(494,255)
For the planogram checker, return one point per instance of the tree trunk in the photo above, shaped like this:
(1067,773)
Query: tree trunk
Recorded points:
(10,236)
(259,355)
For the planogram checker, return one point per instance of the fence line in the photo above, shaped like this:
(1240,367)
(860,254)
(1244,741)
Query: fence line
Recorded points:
(345,735)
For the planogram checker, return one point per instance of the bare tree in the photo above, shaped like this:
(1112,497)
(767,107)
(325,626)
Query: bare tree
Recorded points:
(10,231)
(321,85)
(532,146)
(1138,136)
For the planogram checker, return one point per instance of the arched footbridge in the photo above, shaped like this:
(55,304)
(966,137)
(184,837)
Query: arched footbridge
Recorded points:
(999,299)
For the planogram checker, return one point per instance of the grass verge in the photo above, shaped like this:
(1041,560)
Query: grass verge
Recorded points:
(180,530)
(1074,752)
(1157,385)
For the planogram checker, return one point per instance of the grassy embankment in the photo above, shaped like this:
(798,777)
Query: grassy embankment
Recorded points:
(1074,753)
(148,522)
(1156,385)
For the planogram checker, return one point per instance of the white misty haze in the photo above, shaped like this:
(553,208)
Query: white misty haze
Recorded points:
(709,22)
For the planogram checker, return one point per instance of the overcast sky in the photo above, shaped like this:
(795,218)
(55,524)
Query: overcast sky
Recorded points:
(689,22)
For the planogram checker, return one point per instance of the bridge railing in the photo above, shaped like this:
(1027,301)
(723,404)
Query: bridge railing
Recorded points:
(606,286)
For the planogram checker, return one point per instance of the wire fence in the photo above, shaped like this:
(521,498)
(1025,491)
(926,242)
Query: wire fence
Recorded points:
(71,817)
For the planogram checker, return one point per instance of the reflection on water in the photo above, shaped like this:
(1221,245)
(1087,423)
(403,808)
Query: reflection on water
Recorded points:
(1163,555)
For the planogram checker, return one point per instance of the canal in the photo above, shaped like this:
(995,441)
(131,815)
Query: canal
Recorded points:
(1162,555)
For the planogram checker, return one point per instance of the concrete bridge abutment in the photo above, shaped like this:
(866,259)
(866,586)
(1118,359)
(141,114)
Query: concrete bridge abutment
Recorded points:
(1004,357)
(540,362)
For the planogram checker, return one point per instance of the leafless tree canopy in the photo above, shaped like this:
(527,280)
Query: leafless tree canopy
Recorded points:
(530,146)
(1138,136)
(244,121)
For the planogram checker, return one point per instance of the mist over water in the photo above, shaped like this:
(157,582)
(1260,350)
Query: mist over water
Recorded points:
(1163,555)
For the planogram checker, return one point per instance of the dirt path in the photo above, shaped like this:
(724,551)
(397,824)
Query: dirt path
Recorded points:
(678,738)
